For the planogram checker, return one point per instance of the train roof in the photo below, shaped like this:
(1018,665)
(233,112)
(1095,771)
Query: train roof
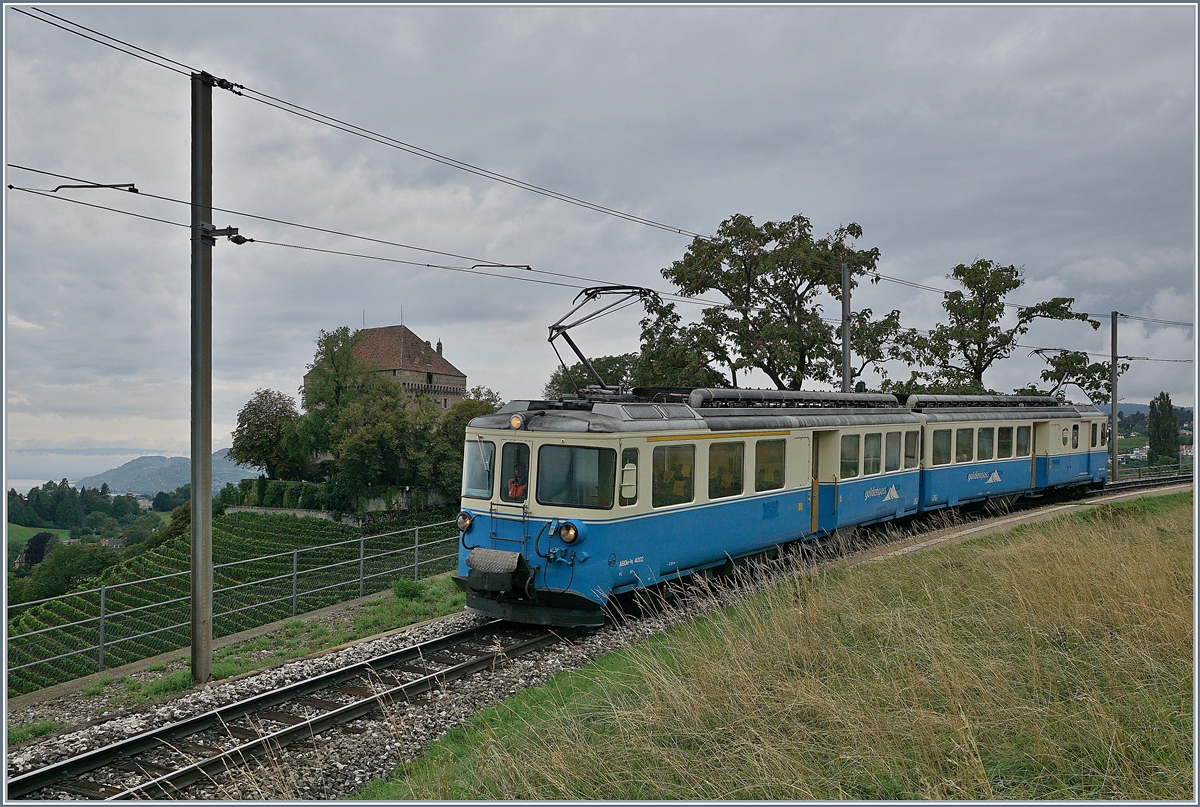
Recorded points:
(739,410)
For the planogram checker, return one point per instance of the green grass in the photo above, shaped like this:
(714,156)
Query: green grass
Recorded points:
(1127,444)
(1053,661)
(38,728)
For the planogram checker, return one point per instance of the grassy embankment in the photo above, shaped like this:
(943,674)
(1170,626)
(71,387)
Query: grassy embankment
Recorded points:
(1052,662)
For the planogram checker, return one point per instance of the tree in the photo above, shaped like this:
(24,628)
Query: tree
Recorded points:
(1163,431)
(485,395)
(259,441)
(384,438)
(39,546)
(615,370)
(1072,367)
(959,351)
(771,276)
(677,355)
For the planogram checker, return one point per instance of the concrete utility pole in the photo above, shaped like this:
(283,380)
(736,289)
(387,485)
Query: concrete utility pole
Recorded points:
(202,244)
(845,327)
(1112,429)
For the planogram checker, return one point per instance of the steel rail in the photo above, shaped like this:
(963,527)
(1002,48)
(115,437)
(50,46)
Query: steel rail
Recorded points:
(33,781)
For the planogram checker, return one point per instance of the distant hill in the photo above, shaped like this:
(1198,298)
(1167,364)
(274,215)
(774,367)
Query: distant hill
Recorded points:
(1134,408)
(149,475)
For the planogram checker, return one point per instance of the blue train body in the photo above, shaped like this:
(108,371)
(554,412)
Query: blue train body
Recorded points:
(566,504)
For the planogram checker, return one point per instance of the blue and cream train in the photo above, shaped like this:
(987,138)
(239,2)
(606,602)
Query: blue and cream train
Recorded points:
(568,503)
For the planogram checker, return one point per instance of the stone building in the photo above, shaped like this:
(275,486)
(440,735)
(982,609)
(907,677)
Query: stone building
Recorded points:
(401,355)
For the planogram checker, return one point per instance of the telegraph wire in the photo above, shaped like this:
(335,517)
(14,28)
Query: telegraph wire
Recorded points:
(100,42)
(385,140)
(367,134)
(466,270)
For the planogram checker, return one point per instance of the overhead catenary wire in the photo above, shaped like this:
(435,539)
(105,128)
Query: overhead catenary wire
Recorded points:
(386,140)
(462,269)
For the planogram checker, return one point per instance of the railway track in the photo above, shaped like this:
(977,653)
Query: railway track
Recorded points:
(163,762)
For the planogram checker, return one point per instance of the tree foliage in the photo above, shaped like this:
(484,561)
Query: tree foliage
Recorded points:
(957,352)
(1074,368)
(263,424)
(1163,431)
(487,395)
(39,546)
(615,370)
(772,276)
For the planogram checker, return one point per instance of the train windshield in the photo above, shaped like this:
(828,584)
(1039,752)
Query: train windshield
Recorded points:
(576,476)
(479,461)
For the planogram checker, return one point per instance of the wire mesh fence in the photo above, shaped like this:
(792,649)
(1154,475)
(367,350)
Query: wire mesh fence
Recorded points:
(61,638)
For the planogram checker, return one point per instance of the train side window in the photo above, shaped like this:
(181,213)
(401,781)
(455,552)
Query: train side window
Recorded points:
(514,472)
(1075,436)
(872,445)
(1023,441)
(987,439)
(1004,444)
(912,441)
(1095,428)
(964,445)
(673,483)
(629,456)
(1065,437)
(1104,435)
(725,469)
(891,452)
(849,456)
(941,447)
(768,464)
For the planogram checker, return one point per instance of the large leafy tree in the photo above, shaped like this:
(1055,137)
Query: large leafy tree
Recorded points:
(1074,368)
(957,352)
(384,437)
(677,355)
(772,276)
(1163,431)
(615,370)
(259,441)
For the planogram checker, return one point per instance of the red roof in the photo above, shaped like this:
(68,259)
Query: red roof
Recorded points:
(397,348)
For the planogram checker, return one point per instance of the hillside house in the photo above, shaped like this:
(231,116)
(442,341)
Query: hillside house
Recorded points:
(399,354)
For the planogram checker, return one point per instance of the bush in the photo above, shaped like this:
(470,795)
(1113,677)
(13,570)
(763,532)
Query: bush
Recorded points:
(291,494)
(408,589)
(274,494)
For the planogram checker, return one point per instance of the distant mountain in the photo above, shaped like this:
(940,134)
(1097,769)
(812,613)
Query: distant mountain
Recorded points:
(1133,408)
(149,475)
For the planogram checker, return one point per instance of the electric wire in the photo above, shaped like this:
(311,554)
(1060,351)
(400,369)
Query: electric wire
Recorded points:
(469,270)
(386,140)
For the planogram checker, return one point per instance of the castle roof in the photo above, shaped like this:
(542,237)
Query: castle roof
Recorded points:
(395,347)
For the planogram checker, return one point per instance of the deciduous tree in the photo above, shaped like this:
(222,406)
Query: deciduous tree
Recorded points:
(259,441)
(1163,431)
(960,350)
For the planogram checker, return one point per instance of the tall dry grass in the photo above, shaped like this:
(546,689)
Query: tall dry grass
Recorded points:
(1054,661)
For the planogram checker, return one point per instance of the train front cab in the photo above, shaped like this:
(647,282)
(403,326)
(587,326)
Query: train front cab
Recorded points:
(866,473)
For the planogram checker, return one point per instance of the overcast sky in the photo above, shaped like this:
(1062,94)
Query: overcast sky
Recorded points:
(1058,139)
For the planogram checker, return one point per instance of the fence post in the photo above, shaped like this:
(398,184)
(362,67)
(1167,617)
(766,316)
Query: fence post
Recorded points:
(103,594)
(417,554)
(361,554)
(295,568)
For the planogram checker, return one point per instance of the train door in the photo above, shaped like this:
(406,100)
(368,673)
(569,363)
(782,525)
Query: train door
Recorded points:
(825,455)
(1040,454)
(629,472)
(802,477)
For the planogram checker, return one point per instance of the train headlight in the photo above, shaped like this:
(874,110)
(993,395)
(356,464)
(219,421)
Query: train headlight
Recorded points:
(465,521)
(568,532)
(517,421)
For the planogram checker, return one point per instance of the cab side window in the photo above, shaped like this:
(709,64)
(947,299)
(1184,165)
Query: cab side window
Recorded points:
(1095,428)
(1075,436)
(629,456)
(673,481)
